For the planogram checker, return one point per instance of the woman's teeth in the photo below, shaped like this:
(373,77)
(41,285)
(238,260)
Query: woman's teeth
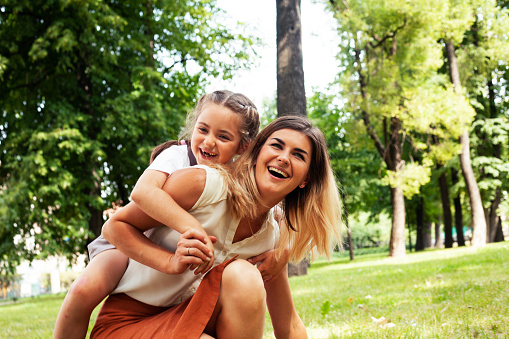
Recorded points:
(278,173)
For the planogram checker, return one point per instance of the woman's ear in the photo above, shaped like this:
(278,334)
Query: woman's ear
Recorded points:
(304,183)
(243,148)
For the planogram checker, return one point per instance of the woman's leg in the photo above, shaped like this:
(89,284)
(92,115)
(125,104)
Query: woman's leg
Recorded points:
(95,283)
(240,310)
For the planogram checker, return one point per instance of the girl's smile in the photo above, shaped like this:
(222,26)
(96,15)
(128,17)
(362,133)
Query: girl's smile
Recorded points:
(216,136)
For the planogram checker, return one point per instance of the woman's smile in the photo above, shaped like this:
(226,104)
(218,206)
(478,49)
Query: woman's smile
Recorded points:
(282,164)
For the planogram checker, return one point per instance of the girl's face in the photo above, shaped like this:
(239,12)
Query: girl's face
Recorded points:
(283,164)
(216,135)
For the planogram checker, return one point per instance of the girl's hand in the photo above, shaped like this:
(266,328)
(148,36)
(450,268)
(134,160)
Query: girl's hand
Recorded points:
(267,264)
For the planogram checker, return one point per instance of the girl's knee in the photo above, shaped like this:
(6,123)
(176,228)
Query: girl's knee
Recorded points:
(81,288)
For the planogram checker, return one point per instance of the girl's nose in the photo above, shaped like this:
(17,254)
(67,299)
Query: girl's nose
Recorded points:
(209,141)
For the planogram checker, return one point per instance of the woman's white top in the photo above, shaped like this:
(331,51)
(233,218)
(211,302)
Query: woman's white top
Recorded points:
(211,210)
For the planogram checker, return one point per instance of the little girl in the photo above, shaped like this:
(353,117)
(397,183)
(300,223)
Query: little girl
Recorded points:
(221,126)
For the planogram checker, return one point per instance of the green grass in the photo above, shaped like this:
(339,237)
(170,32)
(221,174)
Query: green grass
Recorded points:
(453,293)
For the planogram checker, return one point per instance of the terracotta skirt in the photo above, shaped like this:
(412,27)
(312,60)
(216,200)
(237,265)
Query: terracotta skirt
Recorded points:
(124,317)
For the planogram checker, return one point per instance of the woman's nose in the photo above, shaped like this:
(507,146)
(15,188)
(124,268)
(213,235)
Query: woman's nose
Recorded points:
(283,158)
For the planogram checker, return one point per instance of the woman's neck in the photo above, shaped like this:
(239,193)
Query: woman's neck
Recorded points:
(249,226)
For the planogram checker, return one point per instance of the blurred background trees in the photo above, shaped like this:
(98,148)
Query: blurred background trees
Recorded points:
(87,88)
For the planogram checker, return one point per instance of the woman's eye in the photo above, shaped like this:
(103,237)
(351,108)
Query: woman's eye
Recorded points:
(276,145)
(300,156)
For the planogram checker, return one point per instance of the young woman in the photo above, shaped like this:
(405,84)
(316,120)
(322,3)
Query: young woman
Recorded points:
(287,164)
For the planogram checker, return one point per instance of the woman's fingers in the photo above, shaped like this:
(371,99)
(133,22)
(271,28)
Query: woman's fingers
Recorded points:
(192,244)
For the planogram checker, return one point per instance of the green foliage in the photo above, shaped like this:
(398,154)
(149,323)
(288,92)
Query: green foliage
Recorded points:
(370,231)
(88,88)
(410,178)
(393,65)
(355,163)
(400,55)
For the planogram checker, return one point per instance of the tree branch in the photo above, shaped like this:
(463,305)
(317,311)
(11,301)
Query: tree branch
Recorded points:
(183,61)
(390,35)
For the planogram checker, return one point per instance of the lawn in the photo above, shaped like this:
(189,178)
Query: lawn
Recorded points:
(453,293)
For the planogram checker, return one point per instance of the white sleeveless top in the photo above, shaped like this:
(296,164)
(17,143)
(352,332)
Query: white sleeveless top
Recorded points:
(211,210)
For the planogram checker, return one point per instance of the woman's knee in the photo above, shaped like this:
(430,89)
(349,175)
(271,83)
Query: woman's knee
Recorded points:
(243,280)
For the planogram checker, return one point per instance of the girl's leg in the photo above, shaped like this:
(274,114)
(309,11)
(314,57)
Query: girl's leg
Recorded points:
(94,284)
(240,310)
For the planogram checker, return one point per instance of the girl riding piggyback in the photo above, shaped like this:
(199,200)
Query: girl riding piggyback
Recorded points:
(221,127)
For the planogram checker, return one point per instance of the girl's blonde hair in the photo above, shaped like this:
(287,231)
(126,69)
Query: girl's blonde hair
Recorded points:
(237,103)
(312,215)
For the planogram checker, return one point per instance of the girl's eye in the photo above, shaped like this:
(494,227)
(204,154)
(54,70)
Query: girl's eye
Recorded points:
(277,145)
(225,137)
(203,130)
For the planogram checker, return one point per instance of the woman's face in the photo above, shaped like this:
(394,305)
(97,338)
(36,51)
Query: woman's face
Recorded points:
(282,164)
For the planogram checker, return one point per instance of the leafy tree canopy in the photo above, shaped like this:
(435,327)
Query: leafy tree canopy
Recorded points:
(87,88)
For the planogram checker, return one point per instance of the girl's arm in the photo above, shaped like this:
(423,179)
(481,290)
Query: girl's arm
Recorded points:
(149,195)
(124,229)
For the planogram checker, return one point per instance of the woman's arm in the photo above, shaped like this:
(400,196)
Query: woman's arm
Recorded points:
(268,265)
(125,227)
(285,320)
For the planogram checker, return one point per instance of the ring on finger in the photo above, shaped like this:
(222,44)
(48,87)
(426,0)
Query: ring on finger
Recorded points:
(188,251)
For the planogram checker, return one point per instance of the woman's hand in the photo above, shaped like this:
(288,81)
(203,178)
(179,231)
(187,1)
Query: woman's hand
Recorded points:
(193,250)
(268,265)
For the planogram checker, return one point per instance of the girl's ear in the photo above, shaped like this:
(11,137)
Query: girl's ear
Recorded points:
(243,148)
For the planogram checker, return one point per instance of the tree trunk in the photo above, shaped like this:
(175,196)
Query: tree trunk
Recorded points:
(391,154)
(493,217)
(438,234)
(476,208)
(291,95)
(397,245)
(446,209)
(427,234)
(300,268)
(458,215)
(419,237)
(348,230)
(499,236)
